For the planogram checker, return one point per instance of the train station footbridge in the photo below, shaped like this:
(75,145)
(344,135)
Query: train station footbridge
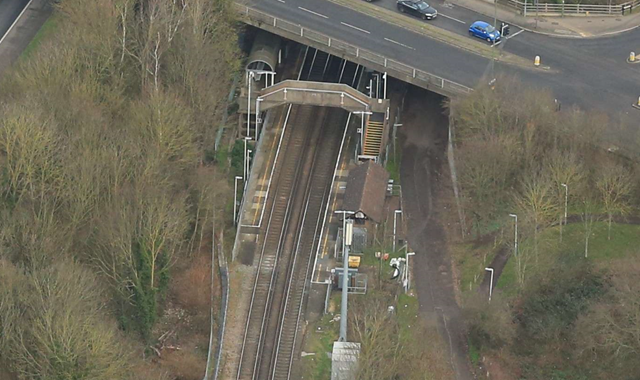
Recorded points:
(373,112)
(321,94)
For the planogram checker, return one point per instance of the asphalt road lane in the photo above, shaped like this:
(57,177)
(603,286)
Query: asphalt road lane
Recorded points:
(424,53)
(591,73)
(9,11)
(450,16)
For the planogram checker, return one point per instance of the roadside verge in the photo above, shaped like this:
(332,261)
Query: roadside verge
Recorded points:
(433,32)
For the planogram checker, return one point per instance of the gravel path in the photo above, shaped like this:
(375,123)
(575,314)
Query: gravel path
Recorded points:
(423,138)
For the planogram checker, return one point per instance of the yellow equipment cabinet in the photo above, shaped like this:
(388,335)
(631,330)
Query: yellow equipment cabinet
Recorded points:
(354,261)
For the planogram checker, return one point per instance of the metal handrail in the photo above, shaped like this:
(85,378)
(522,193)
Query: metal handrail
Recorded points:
(529,8)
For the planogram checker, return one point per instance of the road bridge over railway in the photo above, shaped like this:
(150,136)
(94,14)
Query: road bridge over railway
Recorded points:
(591,73)
(354,53)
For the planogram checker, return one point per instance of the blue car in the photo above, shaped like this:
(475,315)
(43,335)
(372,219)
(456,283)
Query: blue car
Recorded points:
(485,31)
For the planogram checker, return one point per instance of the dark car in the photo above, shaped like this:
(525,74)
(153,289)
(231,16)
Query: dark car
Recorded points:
(417,8)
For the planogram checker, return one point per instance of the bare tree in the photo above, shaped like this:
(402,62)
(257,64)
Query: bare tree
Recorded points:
(609,332)
(55,325)
(589,215)
(614,184)
(377,331)
(536,203)
(565,169)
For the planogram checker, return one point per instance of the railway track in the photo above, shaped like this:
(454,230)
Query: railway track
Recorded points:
(292,231)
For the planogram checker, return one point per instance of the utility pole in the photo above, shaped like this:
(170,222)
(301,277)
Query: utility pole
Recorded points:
(566,200)
(245,172)
(515,244)
(395,222)
(347,234)
(491,283)
(235,196)
(384,76)
(250,76)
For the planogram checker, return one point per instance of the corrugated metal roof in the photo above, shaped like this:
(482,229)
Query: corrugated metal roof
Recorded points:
(344,360)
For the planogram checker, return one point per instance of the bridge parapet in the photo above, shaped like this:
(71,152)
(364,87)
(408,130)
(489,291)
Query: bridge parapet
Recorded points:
(353,53)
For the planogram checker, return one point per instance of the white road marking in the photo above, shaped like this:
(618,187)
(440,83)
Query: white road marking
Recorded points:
(514,34)
(16,21)
(355,27)
(451,18)
(282,1)
(312,12)
(399,43)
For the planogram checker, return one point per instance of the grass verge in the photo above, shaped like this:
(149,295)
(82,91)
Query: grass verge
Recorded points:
(471,262)
(319,341)
(45,32)
(624,242)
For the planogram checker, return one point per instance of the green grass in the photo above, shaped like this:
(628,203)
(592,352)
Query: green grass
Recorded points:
(368,257)
(474,353)
(471,263)
(319,340)
(393,164)
(45,32)
(407,311)
(625,240)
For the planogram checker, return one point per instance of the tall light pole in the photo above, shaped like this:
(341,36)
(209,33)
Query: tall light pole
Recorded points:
(384,76)
(377,91)
(491,283)
(515,244)
(395,215)
(250,76)
(495,14)
(249,151)
(258,119)
(245,174)
(566,201)
(235,196)
(347,233)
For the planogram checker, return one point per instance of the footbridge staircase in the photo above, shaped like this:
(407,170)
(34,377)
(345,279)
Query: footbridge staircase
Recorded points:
(325,94)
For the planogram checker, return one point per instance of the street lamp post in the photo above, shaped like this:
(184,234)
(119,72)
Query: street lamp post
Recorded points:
(235,196)
(566,200)
(491,283)
(250,76)
(346,243)
(495,14)
(395,215)
(407,274)
(384,76)
(515,244)
(377,91)
(249,151)
(258,119)
(245,174)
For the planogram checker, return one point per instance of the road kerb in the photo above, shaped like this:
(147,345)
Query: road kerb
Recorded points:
(549,34)
(430,31)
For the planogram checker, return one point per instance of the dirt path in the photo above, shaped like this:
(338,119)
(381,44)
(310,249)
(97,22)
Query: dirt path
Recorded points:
(423,138)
